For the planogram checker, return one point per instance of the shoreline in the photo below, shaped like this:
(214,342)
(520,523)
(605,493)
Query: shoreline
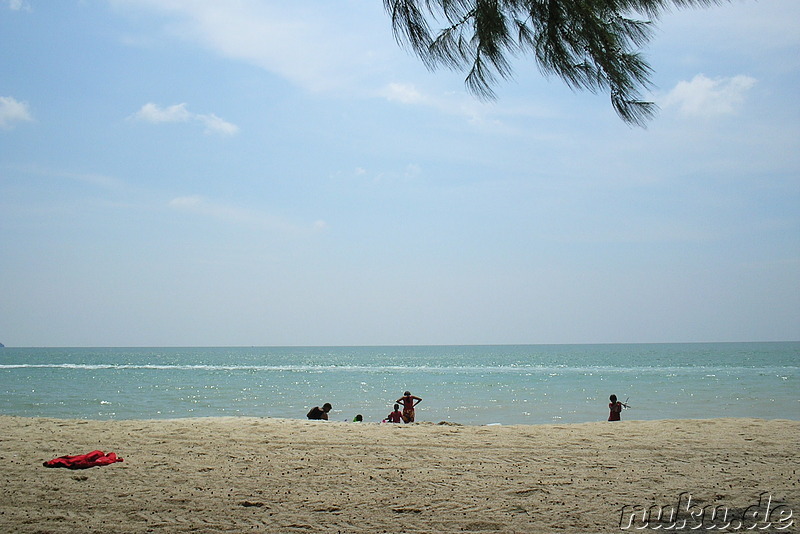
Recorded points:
(234,474)
(339,421)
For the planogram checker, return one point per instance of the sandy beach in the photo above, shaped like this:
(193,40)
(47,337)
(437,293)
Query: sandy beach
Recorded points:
(278,475)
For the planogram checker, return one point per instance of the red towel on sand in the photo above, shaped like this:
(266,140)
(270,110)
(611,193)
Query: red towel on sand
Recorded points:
(83,461)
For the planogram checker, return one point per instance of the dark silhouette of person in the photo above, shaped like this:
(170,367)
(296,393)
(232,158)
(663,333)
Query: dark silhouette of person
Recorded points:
(615,408)
(320,413)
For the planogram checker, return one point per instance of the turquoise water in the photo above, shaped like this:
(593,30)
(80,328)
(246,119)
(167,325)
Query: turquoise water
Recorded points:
(519,384)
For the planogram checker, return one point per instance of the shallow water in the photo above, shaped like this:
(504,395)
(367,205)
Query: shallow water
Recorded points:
(519,384)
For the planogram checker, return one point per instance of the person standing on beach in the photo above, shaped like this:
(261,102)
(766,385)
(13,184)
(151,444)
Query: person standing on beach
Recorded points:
(320,413)
(615,407)
(408,402)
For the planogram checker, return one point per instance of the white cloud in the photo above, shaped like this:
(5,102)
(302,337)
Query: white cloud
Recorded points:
(243,216)
(457,104)
(12,111)
(413,170)
(316,45)
(403,93)
(188,203)
(216,125)
(96,179)
(703,96)
(151,113)
(18,5)
(104,181)
(199,205)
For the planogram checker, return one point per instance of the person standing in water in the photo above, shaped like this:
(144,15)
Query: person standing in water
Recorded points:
(615,408)
(409,402)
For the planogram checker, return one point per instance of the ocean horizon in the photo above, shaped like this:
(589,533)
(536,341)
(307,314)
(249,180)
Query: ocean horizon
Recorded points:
(467,384)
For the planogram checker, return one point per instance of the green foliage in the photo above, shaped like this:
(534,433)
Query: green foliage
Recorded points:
(590,44)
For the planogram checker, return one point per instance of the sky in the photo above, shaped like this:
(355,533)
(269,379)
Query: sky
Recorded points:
(269,173)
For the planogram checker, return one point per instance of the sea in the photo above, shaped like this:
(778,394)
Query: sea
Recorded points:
(470,385)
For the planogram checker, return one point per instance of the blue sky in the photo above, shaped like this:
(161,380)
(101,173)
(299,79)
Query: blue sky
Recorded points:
(199,173)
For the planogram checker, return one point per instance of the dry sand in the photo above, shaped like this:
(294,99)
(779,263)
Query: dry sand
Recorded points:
(275,475)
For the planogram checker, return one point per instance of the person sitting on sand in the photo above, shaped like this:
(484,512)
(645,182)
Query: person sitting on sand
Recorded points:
(407,400)
(320,413)
(358,418)
(396,416)
(615,407)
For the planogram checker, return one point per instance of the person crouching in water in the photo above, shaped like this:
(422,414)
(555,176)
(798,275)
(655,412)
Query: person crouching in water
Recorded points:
(408,402)
(395,416)
(320,413)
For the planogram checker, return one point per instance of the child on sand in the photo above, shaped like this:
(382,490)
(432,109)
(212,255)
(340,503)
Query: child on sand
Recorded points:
(395,416)
(407,400)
